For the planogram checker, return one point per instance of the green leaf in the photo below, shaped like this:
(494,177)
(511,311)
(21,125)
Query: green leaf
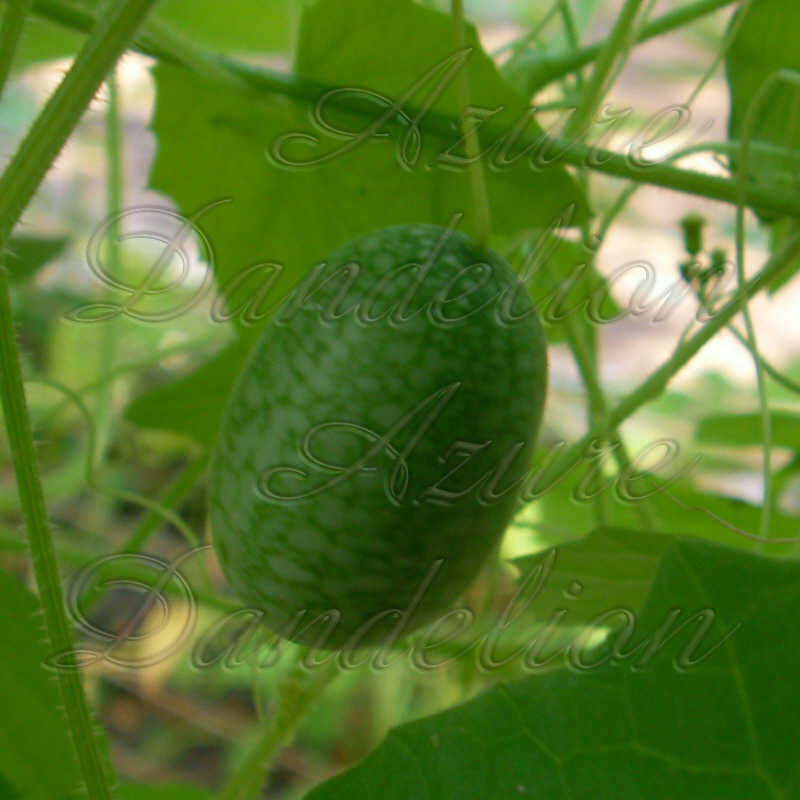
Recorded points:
(26,255)
(36,755)
(741,430)
(707,713)
(131,791)
(614,567)
(246,26)
(766,42)
(191,405)
(295,216)
(564,513)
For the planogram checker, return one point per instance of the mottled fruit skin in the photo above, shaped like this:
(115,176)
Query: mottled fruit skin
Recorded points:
(352,475)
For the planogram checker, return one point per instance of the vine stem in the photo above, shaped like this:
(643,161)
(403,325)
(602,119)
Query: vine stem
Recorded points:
(657,382)
(587,366)
(104,409)
(21,178)
(743,174)
(595,89)
(154,43)
(18,183)
(477,180)
(296,694)
(23,453)
(546,68)
(10,32)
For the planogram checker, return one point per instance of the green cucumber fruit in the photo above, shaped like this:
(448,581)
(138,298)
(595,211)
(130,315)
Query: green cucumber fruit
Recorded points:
(371,447)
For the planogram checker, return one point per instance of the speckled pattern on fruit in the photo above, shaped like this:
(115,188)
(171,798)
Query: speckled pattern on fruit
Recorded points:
(351,546)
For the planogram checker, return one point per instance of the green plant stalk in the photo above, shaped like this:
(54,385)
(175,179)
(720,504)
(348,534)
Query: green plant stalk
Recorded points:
(767,366)
(743,175)
(172,496)
(10,31)
(767,198)
(18,183)
(553,67)
(584,348)
(118,494)
(110,339)
(587,366)
(296,694)
(657,382)
(529,36)
(597,86)
(477,180)
(571,32)
(23,452)
(53,126)
(730,35)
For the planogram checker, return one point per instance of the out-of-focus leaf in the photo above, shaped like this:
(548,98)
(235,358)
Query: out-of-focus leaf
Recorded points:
(193,404)
(7,791)
(36,755)
(294,216)
(131,791)
(745,429)
(26,255)
(709,711)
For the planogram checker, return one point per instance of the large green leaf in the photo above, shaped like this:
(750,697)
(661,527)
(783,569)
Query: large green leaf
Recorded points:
(613,567)
(745,429)
(706,714)
(214,145)
(36,755)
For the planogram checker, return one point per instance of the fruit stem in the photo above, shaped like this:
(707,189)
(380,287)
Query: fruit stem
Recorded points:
(477,180)
(296,694)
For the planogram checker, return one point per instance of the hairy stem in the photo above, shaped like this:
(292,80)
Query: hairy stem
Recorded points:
(19,181)
(51,129)
(29,486)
